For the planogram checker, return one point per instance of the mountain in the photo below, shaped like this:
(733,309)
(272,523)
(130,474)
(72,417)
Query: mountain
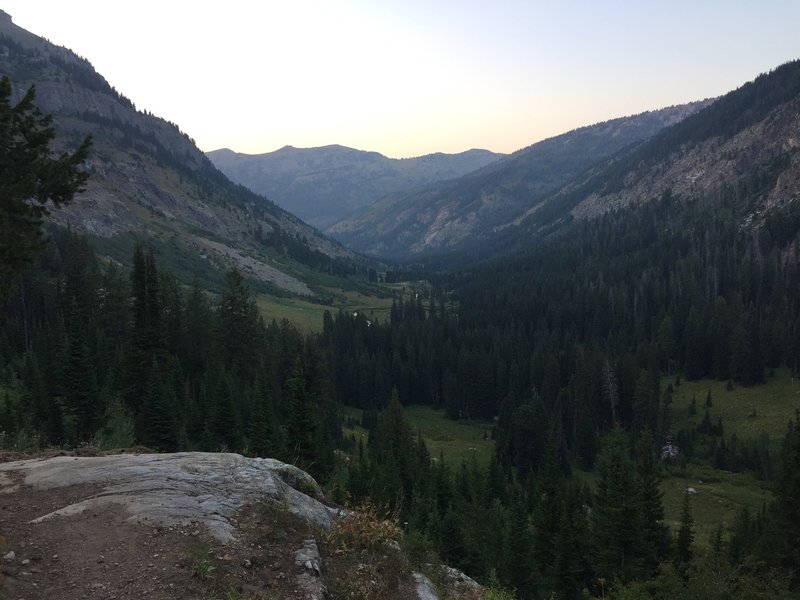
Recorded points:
(744,147)
(325,185)
(150,183)
(454,214)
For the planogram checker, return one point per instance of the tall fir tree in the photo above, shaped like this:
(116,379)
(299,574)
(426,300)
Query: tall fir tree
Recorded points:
(614,518)
(302,425)
(653,534)
(684,544)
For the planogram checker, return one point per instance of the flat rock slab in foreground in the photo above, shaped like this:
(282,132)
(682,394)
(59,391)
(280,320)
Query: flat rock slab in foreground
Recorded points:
(171,489)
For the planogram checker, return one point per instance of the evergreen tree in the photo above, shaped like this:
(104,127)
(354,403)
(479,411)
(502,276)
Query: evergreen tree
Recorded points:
(787,494)
(157,417)
(30,177)
(684,551)
(645,406)
(237,323)
(614,519)
(263,438)
(571,564)
(547,518)
(517,546)
(224,424)
(653,534)
(146,343)
(80,389)
(302,426)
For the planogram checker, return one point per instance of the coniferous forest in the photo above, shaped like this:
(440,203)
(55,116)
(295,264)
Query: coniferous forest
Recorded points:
(573,367)
(571,348)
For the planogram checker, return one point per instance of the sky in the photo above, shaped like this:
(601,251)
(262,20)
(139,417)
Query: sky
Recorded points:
(411,77)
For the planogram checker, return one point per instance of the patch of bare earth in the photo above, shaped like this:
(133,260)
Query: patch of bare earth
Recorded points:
(100,554)
(106,553)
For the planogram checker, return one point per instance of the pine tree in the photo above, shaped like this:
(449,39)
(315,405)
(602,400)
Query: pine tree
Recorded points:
(546,517)
(571,565)
(653,534)
(644,404)
(157,418)
(262,436)
(30,178)
(224,418)
(614,519)
(518,542)
(787,494)
(237,323)
(80,387)
(683,546)
(301,429)
(146,343)
(391,446)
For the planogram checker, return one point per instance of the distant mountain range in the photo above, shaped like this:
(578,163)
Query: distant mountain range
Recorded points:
(745,141)
(326,185)
(150,183)
(449,216)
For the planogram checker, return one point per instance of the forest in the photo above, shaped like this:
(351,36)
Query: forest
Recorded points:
(572,357)
(573,349)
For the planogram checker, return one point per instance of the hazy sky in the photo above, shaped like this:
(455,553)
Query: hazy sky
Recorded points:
(409,77)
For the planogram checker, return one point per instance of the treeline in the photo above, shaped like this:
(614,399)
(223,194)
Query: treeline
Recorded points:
(96,356)
(581,330)
(568,347)
(544,535)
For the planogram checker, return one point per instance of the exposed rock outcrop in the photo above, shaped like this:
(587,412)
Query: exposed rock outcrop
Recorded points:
(195,525)
(170,489)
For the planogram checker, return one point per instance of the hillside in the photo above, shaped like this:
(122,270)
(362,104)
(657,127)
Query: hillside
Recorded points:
(741,150)
(325,185)
(455,214)
(150,183)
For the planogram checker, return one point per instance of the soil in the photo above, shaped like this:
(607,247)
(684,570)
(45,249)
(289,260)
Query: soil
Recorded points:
(100,555)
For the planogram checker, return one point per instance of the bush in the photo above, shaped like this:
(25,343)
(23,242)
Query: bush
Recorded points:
(363,529)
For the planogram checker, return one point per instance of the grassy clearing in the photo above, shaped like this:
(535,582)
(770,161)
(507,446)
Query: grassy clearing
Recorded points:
(747,412)
(303,314)
(307,315)
(357,432)
(719,498)
(456,441)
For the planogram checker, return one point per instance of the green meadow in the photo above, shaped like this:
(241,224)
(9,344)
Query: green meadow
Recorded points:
(454,441)
(747,412)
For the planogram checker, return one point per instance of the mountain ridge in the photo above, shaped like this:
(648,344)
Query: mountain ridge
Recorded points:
(150,181)
(325,184)
(749,137)
(450,215)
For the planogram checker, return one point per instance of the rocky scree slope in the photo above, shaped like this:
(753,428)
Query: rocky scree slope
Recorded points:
(148,179)
(325,185)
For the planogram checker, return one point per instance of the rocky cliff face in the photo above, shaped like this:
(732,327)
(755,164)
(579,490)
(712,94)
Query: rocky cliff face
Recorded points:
(706,169)
(148,179)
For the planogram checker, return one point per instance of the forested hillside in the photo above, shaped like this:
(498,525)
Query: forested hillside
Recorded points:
(574,350)
(149,183)
(449,217)
(95,355)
